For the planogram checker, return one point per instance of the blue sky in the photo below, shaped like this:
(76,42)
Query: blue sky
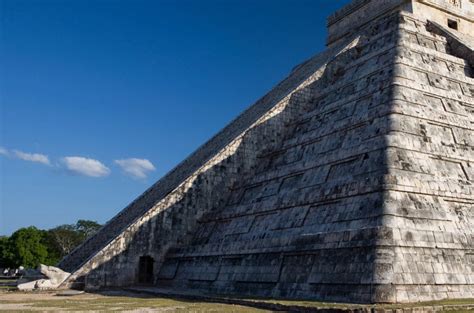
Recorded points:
(99,99)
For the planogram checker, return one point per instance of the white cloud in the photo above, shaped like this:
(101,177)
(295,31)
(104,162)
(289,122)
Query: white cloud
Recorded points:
(31,157)
(3,151)
(138,168)
(85,166)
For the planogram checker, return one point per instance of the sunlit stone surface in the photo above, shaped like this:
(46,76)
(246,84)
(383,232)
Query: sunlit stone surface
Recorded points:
(352,180)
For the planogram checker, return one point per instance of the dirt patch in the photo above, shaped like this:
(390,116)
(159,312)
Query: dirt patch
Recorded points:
(112,301)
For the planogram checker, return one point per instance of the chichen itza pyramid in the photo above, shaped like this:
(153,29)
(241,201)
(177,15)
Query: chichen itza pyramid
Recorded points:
(352,180)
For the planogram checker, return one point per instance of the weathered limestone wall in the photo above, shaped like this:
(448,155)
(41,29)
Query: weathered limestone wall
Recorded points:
(171,217)
(173,220)
(429,207)
(314,197)
(218,145)
(358,13)
(308,222)
(349,19)
(461,11)
(314,185)
(351,181)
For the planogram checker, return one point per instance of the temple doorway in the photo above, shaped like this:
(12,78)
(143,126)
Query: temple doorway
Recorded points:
(145,270)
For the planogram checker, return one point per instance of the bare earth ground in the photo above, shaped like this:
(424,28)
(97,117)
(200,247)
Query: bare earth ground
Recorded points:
(111,302)
(123,301)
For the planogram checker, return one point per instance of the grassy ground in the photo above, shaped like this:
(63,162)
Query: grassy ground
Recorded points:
(386,306)
(24,302)
(7,284)
(114,301)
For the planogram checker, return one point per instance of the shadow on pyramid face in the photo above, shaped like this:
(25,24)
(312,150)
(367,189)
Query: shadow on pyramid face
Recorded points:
(291,206)
(350,181)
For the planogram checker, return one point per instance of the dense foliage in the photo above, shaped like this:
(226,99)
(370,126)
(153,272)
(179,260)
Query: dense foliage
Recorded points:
(31,246)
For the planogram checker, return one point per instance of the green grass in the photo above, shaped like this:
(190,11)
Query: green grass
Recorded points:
(116,301)
(355,305)
(7,284)
(6,288)
(112,304)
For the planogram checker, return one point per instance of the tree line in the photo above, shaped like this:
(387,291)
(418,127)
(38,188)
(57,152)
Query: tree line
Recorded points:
(31,246)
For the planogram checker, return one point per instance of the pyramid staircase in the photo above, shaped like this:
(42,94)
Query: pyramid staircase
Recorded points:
(350,181)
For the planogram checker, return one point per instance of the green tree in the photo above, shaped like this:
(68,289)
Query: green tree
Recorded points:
(54,253)
(87,228)
(3,251)
(26,248)
(64,239)
(30,246)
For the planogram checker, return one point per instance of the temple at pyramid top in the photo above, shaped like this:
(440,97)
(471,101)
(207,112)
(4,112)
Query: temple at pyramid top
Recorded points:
(455,14)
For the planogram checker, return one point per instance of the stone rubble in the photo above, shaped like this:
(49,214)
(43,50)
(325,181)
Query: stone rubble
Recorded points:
(53,278)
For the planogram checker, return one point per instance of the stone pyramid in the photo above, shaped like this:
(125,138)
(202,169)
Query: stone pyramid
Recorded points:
(352,180)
